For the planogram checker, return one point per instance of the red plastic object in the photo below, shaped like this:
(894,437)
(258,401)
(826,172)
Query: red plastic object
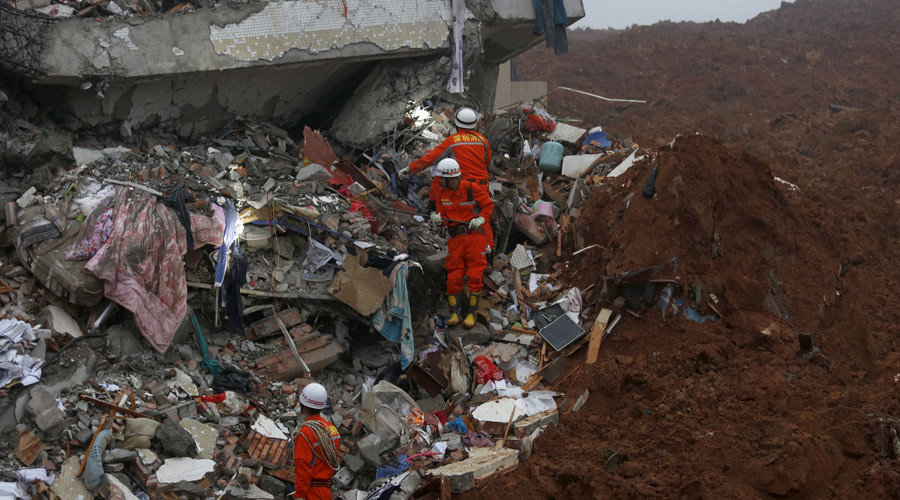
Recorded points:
(537,123)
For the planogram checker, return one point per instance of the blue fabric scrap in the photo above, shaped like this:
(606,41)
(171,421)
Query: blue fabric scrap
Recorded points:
(394,318)
(457,425)
(393,468)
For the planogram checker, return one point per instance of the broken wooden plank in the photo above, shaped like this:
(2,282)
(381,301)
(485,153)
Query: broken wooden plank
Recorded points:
(260,293)
(597,335)
(555,195)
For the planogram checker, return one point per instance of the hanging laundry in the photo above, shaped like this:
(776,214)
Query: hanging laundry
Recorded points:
(551,18)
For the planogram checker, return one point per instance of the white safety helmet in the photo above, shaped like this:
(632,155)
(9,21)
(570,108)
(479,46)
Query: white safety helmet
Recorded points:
(448,167)
(314,396)
(466,118)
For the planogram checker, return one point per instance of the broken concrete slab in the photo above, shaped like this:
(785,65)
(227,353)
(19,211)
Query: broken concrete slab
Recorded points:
(314,172)
(527,425)
(41,398)
(50,419)
(84,156)
(204,436)
(373,445)
(478,334)
(60,322)
(178,469)
(482,463)
(121,491)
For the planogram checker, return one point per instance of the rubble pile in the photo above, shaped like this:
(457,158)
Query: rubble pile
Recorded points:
(61,9)
(165,304)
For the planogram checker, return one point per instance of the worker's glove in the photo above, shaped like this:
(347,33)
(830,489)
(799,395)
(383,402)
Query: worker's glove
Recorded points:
(435,217)
(476,222)
(404,173)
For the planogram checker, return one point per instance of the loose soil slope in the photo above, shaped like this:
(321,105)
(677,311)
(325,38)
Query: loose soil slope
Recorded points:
(722,409)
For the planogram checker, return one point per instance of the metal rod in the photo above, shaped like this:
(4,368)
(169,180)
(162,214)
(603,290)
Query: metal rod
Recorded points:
(136,186)
(290,340)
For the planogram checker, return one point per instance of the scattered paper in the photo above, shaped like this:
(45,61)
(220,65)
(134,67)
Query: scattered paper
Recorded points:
(33,474)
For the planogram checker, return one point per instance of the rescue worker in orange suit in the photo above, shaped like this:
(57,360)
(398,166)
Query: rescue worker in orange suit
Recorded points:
(315,447)
(463,209)
(470,149)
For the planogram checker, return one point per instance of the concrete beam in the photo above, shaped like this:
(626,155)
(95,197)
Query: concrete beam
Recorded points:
(192,72)
(250,35)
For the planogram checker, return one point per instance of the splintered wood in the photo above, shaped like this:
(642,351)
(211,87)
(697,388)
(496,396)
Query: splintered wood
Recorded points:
(597,335)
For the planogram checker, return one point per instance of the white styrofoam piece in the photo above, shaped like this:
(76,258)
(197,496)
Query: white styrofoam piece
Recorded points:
(575,165)
(566,133)
(499,410)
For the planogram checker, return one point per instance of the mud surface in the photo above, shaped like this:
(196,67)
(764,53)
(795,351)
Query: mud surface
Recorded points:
(729,408)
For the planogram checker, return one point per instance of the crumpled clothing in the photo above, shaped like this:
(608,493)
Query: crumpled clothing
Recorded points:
(486,370)
(393,468)
(457,425)
(433,422)
(86,248)
(235,279)
(228,402)
(232,379)
(393,319)
(478,439)
(141,262)
(177,199)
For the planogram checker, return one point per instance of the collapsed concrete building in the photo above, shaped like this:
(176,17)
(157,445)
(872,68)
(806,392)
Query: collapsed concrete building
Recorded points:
(352,67)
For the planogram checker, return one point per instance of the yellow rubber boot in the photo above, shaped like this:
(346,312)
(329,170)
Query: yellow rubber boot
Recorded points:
(469,322)
(453,300)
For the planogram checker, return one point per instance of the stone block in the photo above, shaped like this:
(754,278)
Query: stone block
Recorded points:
(50,419)
(354,462)
(373,445)
(314,172)
(59,321)
(479,334)
(343,478)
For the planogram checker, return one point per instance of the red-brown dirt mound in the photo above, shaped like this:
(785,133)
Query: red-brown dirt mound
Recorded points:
(721,409)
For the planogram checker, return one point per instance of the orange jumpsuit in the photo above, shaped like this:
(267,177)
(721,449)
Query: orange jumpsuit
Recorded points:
(473,153)
(309,465)
(465,248)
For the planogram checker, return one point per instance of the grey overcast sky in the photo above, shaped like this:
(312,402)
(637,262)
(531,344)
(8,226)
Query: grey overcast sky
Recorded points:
(601,14)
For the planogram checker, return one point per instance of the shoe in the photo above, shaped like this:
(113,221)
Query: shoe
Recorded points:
(472,308)
(453,300)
